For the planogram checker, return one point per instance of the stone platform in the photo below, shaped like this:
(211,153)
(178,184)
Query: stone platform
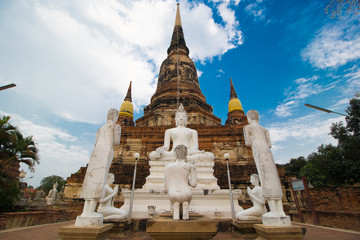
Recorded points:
(73,232)
(197,227)
(210,203)
(120,226)
(278,233)
(246,227)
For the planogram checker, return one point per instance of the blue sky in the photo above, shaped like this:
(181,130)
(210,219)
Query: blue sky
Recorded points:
(73,60)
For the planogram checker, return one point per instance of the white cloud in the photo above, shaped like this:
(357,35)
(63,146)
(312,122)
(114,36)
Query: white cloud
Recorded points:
(301,136)
(283,110)
(305,88)
(60,153)
(334,45)
(256,10)
(353,81)
(77,58)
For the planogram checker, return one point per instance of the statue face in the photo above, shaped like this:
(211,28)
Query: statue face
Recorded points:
(111,178)
(181,119)
(254,181)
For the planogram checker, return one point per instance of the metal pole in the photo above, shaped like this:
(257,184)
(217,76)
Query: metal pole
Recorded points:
(323,109)
(301,218)
(136,156)
(310,201)
(226,156)
(7,86)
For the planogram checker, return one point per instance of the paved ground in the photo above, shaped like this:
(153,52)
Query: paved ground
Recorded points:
(50,232)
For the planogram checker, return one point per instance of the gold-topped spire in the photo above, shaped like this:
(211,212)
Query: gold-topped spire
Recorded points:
(126,108)
(234,103)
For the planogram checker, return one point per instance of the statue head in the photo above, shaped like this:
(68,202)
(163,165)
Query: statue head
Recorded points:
(181,152)
(113,115)
(55,185)
(110,178)
(254,179)
(252,116)
(181,116)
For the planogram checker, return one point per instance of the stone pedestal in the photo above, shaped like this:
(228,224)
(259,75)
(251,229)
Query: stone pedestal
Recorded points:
(272,233)
(276,221)
(120,226)
(164,227)
(88,221)
(85,233)
(210,203)
(246,227)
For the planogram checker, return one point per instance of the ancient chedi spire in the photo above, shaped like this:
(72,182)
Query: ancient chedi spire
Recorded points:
(177,83)
(236,114)
(178,39)
(232,90)
(128,95)
(126,112)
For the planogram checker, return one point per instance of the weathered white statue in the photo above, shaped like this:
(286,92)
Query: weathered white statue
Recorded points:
(51,197)
(106,207)
(39,195)
(256,211)
(97,170)
(181,135)
(258,138)
(178,176)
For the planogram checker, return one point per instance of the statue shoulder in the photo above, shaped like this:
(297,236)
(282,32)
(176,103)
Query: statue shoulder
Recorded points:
(192,130)
(170,130)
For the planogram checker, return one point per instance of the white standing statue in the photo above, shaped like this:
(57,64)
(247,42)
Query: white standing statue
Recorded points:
(178,176)
(258,138)
(181,135)
(96,174)
(256,211)
(50,199)
(106,207)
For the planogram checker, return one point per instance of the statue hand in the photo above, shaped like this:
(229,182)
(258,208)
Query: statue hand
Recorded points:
(116,189)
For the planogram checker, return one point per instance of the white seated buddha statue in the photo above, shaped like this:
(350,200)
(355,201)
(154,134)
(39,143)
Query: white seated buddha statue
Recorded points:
(181,135)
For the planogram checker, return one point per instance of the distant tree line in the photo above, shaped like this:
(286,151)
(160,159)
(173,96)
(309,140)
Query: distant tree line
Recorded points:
(334,165)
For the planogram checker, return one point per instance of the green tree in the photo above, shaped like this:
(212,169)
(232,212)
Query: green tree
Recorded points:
(349,141)
(334,165)
(337,7)
(47,183)
(14,149)
(294,166)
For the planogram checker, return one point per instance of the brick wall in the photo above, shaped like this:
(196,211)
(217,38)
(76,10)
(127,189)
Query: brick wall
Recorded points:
(32,218)
(335,207)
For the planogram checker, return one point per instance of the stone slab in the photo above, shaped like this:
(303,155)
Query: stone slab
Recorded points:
(195,228)
(73,232)
(246,227)
(275,232)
